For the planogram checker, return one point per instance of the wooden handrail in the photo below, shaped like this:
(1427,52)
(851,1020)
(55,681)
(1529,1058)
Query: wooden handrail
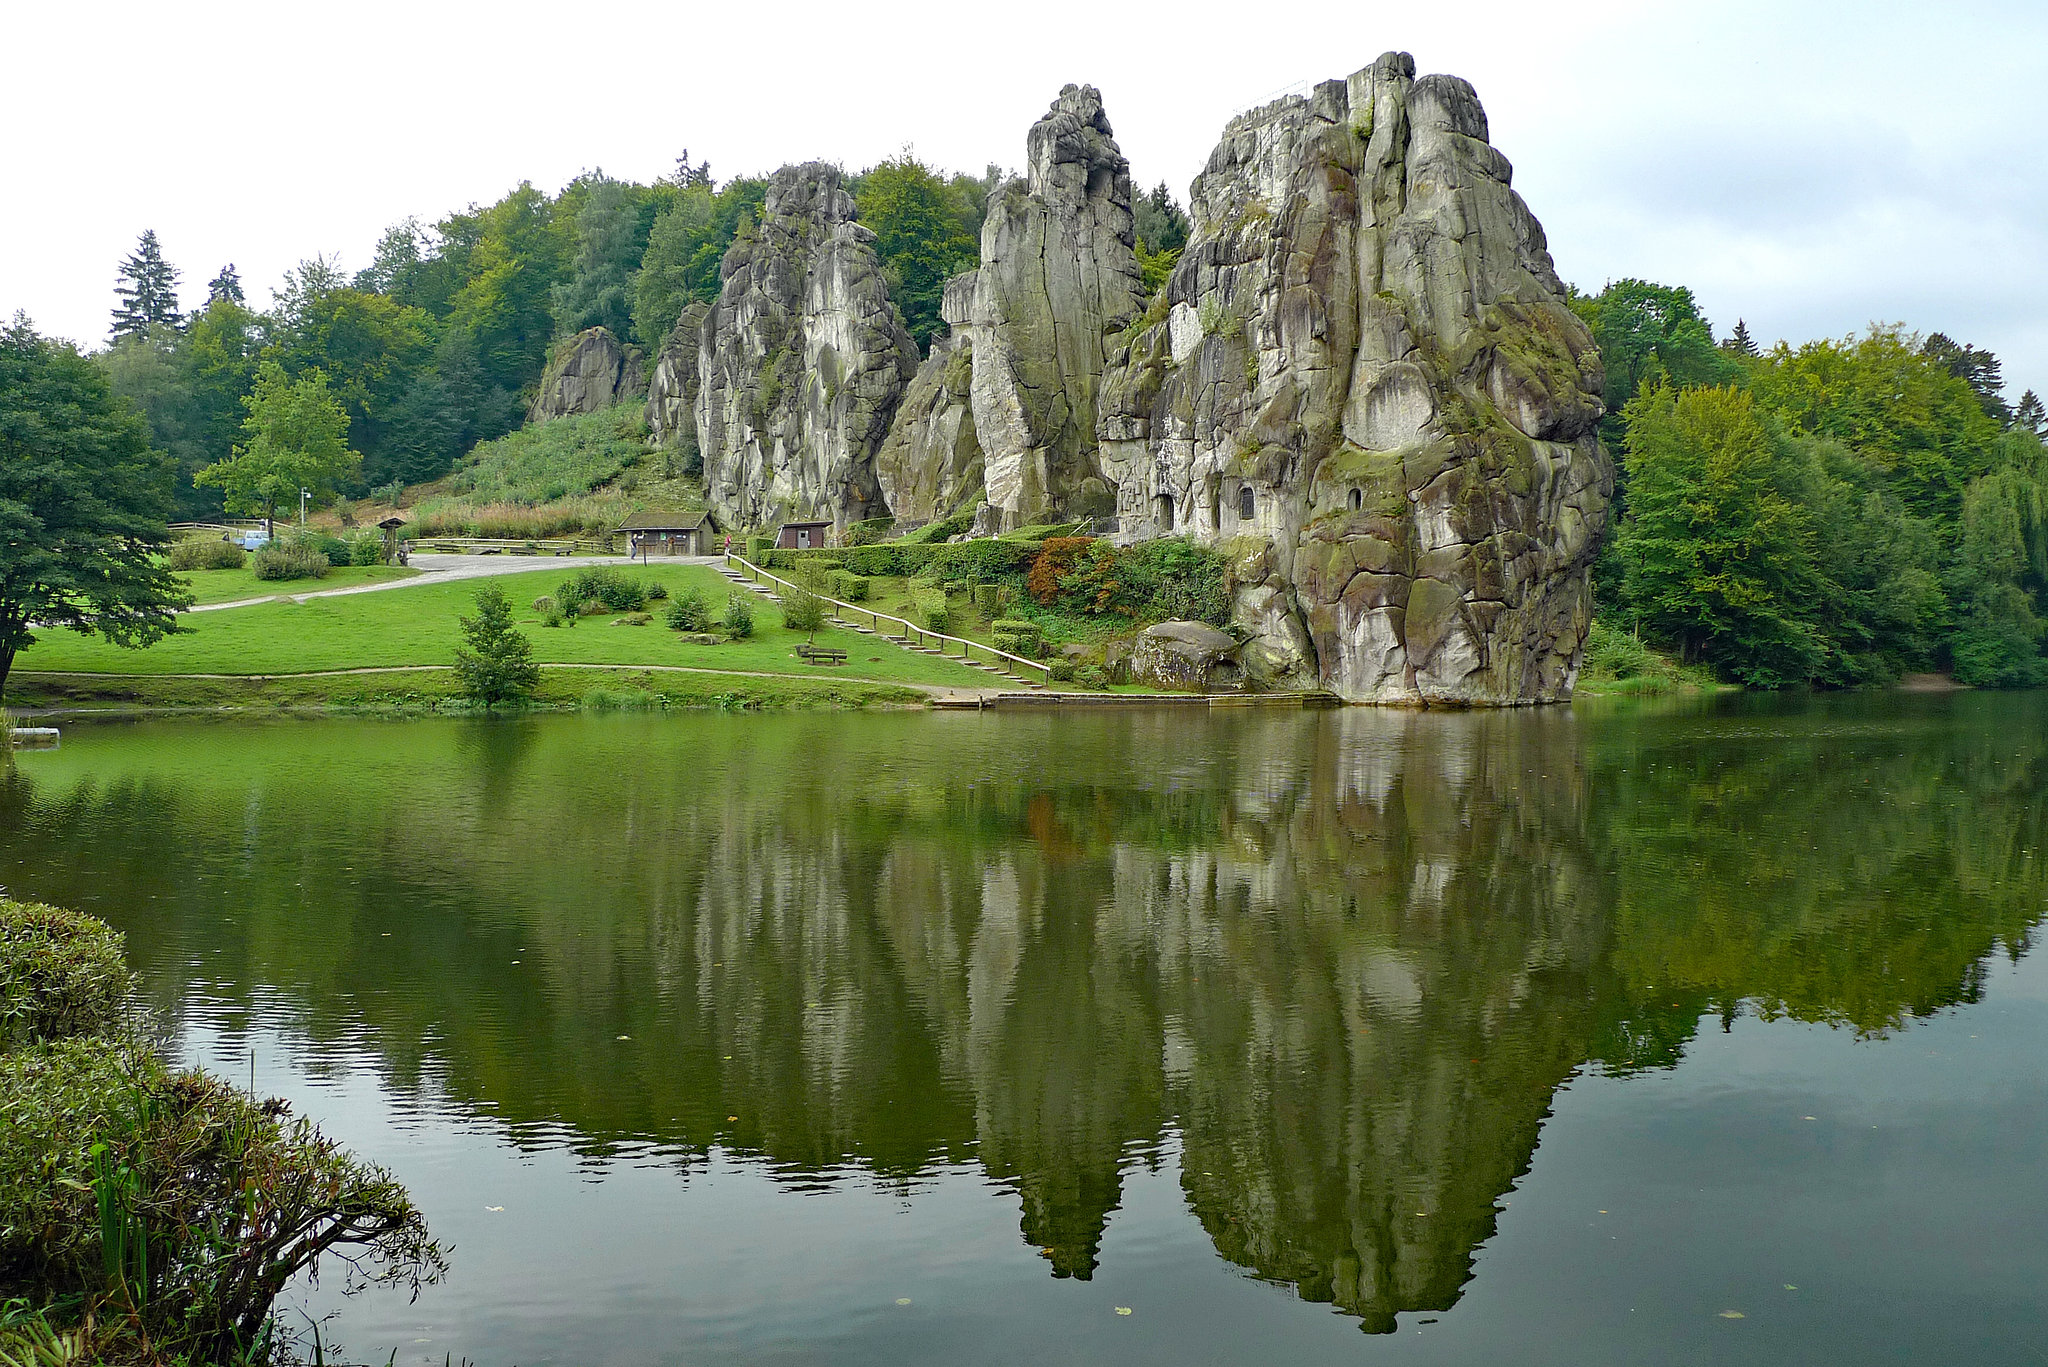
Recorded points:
(875,619)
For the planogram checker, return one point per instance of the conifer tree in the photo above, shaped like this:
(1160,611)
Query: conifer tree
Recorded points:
(225,287)
(147,289)
(494,662)
(2031,416)
(1739,342)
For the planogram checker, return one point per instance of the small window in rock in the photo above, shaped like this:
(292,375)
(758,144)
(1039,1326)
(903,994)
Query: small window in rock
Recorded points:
(1357,500)
(1166,511)
(1244,502)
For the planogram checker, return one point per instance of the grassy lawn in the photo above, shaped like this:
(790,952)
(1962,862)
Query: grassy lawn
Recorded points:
(227,586)
(417,626)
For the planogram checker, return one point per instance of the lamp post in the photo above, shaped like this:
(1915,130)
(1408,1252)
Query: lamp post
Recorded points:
(304,494)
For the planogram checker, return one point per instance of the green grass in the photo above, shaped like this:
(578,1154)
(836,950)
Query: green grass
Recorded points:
(227,586)
(417,626)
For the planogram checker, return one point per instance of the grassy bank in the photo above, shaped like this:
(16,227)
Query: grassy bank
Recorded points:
(417,625)
(1618,664)
(422,691)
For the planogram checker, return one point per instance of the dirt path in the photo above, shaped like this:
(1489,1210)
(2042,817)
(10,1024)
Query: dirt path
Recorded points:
(442,569)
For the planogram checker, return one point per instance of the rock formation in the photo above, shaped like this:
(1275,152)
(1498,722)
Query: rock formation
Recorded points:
(1058,276)
(1191,656)
(591,371)
(1363,380)
(931,462)
(802,362)
(672,393)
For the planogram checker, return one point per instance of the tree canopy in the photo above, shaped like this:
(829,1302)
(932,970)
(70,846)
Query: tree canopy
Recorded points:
(83,502)
(294,437)
(922,235)
(147,289)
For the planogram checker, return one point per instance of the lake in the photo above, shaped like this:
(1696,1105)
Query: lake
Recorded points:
(1697,1033)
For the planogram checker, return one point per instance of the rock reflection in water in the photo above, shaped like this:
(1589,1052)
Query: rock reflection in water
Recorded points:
(1345,960)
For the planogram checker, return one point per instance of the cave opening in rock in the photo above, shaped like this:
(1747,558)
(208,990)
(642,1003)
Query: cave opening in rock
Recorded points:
(1244,502)
(1164,510)
(1357,500)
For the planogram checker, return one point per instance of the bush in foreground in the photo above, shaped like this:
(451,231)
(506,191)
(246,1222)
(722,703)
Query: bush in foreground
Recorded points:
(610,588)
(154,1215)
(739,617)
(688,611)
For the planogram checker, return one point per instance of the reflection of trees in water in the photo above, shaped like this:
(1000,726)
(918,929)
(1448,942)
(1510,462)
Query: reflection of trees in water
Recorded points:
(1348,958)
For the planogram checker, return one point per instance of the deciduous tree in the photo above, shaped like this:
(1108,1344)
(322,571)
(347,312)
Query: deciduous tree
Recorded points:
(294,437)
(83,499)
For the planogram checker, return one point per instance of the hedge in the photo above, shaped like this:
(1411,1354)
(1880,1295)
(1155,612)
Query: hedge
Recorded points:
(849,587)
(978,561)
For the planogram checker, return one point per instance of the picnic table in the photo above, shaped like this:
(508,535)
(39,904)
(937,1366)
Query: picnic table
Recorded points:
(820,655)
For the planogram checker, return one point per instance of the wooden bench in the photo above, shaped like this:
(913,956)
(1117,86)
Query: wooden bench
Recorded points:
(821,655)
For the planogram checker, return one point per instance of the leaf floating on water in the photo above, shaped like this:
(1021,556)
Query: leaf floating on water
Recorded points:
(1733,1315)
(903,1300)
(625,1037)
(1123,1310)
(732,1118)
(493,1207)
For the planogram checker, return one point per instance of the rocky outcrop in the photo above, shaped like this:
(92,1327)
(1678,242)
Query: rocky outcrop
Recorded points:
(672,393)
(1363,367)
(931,462)
(802,362)
(591,371)
(1190,656)
(1058,275)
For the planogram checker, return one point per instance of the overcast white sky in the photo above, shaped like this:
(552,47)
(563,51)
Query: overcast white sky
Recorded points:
(1810,167)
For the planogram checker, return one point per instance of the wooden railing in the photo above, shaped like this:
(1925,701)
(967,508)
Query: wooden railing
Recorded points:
(912,632)
(489,545)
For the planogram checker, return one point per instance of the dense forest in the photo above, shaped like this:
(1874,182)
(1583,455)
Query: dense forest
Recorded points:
(1833,513)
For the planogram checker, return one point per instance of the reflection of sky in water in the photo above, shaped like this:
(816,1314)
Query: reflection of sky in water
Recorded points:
(755,1028)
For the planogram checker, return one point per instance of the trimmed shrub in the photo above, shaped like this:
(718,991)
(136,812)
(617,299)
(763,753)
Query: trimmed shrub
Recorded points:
(295,560)
(198,554)
(738,621)
(1062,671)
(849,587)
(983,561)
(758,548)
(1018,637)
(688,611)
(929,607)
(61,974)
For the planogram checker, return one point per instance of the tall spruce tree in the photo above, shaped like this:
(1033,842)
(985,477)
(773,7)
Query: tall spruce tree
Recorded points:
(148,290)
(1975,367)
(227,286)
(1739,342)
(2030,415)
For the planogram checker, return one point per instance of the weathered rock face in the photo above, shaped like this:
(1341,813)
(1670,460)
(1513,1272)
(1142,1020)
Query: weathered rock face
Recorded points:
(1185,655)
(672,393)
(591,371)
(931,462)
(1363,367)
(802,362)
(1059,274)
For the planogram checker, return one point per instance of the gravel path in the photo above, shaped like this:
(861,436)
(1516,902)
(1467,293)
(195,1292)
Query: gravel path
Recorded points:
(441,569)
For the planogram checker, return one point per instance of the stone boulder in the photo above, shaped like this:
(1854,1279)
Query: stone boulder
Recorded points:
(1365,363)
(1059,274)
(672,393)
(801,363)
(1185,656)
(591,371)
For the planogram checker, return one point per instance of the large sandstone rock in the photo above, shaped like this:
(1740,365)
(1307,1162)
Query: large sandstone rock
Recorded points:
(1058,276)
(1185,655)
(931,462)
(591,371)
(672,393)
(802,362)
(1364,361)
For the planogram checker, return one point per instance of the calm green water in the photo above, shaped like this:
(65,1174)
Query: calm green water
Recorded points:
(1552,1037)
